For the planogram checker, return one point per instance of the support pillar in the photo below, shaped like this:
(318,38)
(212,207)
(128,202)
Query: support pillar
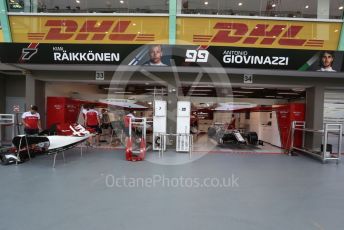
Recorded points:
(35,95)
(171,107)
(314,115)
(2,94)
(5,24)
(172,21)
(2,101)
(29,90)
(341,39)
(179,6)
(323,10)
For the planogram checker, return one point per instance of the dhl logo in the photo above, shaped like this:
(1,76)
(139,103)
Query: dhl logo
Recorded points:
(262,34)
(90,30)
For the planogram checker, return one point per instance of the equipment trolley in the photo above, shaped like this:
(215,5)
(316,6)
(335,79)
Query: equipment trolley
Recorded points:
(324,154)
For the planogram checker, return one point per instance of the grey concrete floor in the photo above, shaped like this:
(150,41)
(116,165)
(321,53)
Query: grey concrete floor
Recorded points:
(272,192)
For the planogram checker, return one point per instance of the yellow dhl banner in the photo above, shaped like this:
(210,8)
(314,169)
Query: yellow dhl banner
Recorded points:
(1,36)
(258,33)
(105,30)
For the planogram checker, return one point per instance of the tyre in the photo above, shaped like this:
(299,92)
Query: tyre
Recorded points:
(3,160)
(211,131)
(252,138)
(6,161)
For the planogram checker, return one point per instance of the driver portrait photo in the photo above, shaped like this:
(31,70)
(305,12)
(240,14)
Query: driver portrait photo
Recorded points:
(326,61)
(155,54)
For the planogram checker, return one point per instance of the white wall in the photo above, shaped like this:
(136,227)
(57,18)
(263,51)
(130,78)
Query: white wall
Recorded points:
(223,117)
(258,101)
(63,89)
(334,107)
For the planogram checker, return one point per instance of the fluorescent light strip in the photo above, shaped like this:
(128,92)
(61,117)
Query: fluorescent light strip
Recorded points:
(158,93)
(122,92)
(298,89)
(238,95)
(202,86)
(110,88)
(155,89)
(199,94)
(201,90)
(251,88)
(235,91)
(288,93)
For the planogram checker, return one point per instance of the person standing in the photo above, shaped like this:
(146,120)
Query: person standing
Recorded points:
(106,122)
(85,108)
(232,123)
(32,121)
(92,121)
(105,119)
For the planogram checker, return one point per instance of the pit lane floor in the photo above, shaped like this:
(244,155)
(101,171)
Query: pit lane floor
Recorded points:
(267,191)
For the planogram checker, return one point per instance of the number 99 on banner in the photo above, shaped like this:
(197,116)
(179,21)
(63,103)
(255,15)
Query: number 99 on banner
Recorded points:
(196,56)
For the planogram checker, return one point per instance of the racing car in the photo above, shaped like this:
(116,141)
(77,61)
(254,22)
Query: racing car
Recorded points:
(223,135)
(25,147)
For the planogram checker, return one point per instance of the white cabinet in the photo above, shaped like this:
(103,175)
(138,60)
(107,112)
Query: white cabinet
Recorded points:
(160,108)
